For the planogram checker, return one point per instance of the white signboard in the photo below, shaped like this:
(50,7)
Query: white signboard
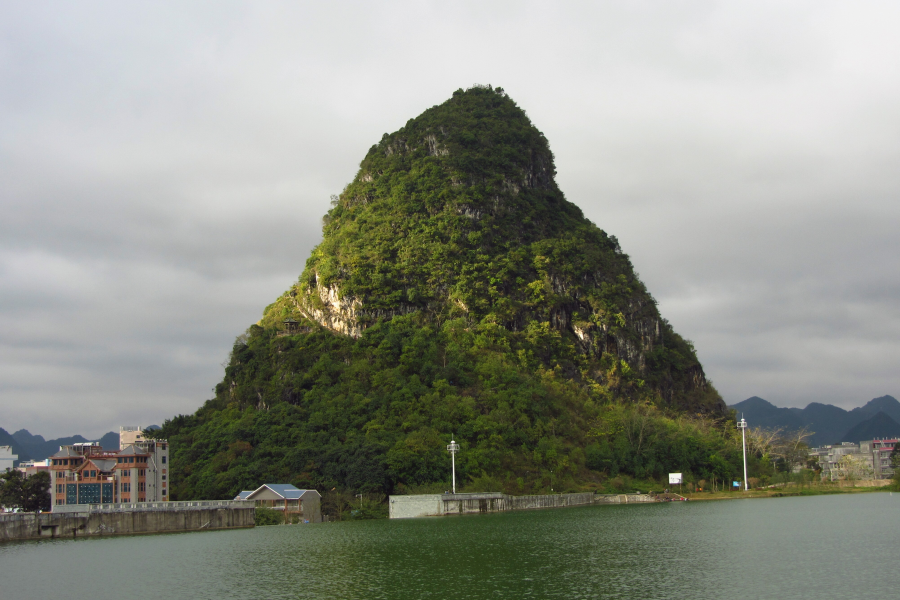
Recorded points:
(675,478)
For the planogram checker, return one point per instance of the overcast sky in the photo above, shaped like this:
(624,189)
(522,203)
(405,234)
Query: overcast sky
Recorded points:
(164,170)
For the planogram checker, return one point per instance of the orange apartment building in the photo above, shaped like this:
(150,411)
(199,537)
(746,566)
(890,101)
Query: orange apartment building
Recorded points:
(88,474)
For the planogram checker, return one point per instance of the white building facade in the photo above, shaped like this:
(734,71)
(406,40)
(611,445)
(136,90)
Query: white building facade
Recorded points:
(7,458)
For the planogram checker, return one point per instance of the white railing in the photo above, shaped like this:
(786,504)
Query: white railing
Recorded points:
(153,506)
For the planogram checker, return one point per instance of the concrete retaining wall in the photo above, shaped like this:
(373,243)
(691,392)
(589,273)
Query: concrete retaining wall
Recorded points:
(420,505)
(429,505)
(26,526)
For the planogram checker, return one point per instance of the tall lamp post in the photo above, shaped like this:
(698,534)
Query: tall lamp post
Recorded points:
(742,425)
(453,448)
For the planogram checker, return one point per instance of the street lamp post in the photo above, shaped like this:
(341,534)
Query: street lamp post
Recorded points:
(742,425)
(453,448)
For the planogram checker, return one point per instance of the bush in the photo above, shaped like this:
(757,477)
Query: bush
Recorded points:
(269,516)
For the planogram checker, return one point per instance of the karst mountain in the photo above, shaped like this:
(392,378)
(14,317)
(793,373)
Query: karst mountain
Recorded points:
(456,292)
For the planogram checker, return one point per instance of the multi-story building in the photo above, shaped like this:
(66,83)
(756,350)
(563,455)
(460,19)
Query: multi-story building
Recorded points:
(88,474)
(129,434)
(874,454)
(7,458)
(881,456)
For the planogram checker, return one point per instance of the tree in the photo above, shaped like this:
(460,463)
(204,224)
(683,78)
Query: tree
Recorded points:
(11,488)
(793,449)
(26,493)
(36,492)
(762,441)
(853,467)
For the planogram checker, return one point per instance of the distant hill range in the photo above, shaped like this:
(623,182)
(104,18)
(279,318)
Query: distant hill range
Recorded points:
(35,447)
(879,418)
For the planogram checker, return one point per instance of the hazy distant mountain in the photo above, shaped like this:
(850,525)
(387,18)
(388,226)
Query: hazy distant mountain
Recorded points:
(8,440)
(109,441)
(879,417)
(765,414)
(829,422)
(38,448)
(886,404)
(880,425)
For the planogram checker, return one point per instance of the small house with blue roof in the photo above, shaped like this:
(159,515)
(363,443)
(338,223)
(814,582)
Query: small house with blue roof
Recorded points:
(284,496)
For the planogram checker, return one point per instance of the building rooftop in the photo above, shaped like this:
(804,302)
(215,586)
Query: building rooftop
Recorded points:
(285,490)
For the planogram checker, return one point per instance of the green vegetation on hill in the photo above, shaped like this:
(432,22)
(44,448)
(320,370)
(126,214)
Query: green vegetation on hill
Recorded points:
(456,292)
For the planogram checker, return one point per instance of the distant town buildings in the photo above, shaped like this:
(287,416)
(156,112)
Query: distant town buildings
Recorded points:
(88,474)
(7,458)
(874,455)
(30,467)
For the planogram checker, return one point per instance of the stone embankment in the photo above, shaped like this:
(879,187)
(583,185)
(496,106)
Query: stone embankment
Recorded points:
(430,505)
(84,520)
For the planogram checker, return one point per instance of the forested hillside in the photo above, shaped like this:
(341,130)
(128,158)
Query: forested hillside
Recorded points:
(456,292)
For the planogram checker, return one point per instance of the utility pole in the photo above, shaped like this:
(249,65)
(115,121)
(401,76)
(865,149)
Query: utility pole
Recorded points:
(742,425)
(453,448)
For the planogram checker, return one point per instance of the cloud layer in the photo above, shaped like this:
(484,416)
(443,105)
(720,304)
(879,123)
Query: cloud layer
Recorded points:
(165,170)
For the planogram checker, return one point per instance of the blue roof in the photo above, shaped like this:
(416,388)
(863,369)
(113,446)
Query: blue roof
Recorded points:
(285,490)
(243,495)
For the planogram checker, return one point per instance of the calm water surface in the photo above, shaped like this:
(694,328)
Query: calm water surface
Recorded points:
(815,547)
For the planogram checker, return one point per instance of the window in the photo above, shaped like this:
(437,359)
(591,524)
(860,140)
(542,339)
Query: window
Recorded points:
(163,460)
(141,472)
(141,487)
(163,477)
(164,492)
(125,487)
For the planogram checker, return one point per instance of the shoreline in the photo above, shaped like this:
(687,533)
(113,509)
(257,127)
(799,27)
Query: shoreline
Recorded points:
(784,493)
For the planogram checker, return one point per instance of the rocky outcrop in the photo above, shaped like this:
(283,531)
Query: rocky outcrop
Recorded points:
(324,305)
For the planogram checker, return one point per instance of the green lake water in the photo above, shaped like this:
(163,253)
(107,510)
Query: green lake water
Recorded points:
(843,546)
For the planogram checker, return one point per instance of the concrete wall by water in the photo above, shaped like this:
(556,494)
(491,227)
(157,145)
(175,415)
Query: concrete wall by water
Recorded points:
(420,505)
(405,507)
(25,526)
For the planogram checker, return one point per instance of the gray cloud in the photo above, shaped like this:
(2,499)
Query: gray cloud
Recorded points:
(165,169)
